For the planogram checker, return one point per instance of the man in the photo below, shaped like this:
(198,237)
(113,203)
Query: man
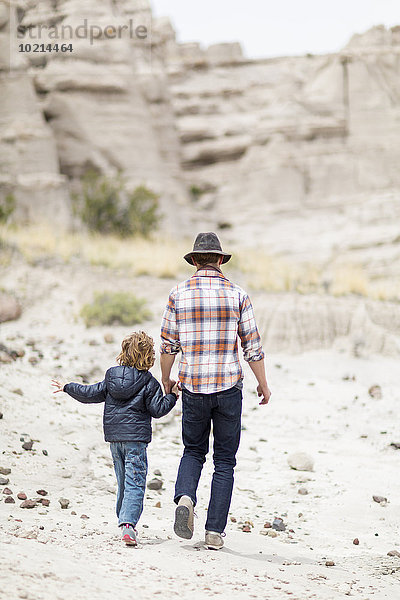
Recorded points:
(203,319)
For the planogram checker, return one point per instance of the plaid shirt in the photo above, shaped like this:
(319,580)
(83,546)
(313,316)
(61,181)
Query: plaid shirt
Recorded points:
(203,319)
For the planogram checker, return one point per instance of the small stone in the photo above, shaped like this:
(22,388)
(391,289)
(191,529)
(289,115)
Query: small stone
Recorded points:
(155,484)
(33,360)
(356,541)
(267,525)
(108,338)
(375,391)
(45,452)
(395,445)
(18,391)
(44,501)
(28,504)
(157,505)
(27,445)
(302,491)
(73,512)
(64,502)
(4,471)
(272,533)
(1,415)
(300,461)
(42,492)
(22,496)
(329,563)
(394,553)
(379,499)
(278,524)
(9,500)
(7,491)
(246,528)
(264,532)
(84,517)
(157,472)
(233,519)
(4,480)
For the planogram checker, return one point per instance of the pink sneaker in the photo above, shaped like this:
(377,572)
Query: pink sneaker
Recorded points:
(129,535)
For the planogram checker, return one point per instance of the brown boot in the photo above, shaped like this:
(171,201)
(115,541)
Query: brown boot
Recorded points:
(184,518)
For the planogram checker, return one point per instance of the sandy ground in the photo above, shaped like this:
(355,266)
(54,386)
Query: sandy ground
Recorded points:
(320,405)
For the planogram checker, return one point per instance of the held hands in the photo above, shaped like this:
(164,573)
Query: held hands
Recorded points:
(265,392)
(58,385)
(175,390)
(168,385)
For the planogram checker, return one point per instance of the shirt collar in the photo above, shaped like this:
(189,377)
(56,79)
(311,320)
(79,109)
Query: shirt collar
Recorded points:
(209,272)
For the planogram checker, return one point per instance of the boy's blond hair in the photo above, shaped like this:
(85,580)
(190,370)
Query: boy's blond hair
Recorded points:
(137,351)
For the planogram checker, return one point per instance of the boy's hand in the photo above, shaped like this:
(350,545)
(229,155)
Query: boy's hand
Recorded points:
(58,385)
(175,390)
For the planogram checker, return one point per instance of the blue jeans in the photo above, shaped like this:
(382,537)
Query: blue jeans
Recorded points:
(223,410)
(130,464)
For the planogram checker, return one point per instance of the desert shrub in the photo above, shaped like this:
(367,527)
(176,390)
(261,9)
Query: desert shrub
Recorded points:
(115,308)
(106,206)
(7,207)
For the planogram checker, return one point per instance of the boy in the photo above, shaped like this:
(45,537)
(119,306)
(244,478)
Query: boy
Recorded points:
(131,396)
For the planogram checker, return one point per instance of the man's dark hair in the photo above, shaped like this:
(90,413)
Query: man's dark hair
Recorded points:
(206,259)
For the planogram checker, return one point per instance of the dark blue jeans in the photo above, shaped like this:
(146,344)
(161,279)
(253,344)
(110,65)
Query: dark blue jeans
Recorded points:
(223,410)
(130,464)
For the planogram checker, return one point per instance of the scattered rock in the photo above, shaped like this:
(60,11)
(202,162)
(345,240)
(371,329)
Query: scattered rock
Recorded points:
(4,471)
(272,533)
(27,445)
(33,360)
(4,480)
(109,338)
(278,524)
(28,504)
(45,452)
(302,491)
(329,563)
(44,501)
(5,358)
(42,492)
(246,528)
(379,499)
(22,496)
(18,391)
(1,415)
(7,491)
(9,500)
(84,517)
(264,532)
(73,512)
(155,484)
(64,502)
(233,519)
(157,505)
(267,525)
(394,553)
(356,541)
(395,445)
(375,391)
(157,472)
(300,461)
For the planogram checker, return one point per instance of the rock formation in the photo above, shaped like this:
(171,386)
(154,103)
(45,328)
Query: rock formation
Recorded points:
(298,154)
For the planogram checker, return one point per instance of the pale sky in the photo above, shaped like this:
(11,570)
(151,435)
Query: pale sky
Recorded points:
(278,27)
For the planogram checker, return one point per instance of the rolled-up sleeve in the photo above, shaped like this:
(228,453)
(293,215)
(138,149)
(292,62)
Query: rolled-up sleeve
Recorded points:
(248,332)
(169,331)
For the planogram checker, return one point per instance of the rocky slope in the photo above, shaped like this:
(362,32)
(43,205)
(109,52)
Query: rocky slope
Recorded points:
(299,154)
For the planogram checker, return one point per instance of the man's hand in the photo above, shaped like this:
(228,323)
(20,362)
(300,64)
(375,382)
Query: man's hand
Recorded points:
(58,385)
(168,385)
(265,392)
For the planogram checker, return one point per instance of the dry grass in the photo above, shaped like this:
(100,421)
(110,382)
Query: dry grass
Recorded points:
(159,257)
(162,257)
